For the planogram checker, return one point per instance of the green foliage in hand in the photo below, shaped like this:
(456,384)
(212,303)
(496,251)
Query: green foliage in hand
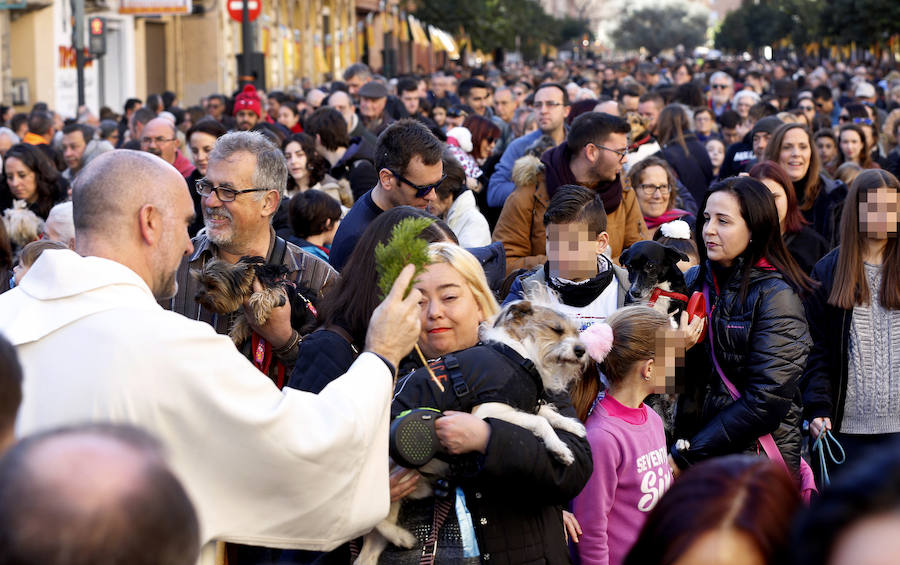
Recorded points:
(405,247)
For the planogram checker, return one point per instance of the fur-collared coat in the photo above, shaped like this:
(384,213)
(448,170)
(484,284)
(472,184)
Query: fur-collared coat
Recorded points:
(521,223)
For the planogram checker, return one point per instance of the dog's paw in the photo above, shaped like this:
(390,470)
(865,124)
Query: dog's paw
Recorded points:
(403,538)
(397,535)
(682,445)
(572,426)
(564,455)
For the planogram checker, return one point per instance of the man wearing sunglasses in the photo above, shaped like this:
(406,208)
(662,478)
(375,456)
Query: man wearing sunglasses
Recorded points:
(591,156)
(408,163)
(721,89)
(244,183)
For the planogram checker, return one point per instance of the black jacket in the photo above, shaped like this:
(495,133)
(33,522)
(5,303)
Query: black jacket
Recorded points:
(694,169)
(357,167)
(807,247)
(824,382)
(516,490)
(761,343)
(825,214)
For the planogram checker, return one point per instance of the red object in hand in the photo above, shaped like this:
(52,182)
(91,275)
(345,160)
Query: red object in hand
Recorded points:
(697,307)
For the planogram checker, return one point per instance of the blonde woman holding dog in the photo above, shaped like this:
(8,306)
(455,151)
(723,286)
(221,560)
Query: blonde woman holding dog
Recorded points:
(628,441)
(509,487)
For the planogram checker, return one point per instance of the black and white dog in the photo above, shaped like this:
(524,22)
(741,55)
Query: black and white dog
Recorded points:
(655,277)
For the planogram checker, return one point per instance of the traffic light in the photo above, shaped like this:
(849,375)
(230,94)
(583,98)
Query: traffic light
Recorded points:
(97,34)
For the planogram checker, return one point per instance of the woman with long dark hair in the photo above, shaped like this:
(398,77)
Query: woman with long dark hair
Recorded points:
(820,198)
(854,147)
(30,176)
(805,245)
(852,380)
(759,335)
(681,149)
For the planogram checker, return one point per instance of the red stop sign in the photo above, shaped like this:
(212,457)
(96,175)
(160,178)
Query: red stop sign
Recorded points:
(235,8)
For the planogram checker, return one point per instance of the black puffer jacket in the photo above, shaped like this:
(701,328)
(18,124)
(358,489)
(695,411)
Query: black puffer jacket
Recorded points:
(761,343)
(516,490)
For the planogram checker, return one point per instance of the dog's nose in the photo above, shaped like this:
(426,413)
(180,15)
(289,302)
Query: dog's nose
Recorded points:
(579,351)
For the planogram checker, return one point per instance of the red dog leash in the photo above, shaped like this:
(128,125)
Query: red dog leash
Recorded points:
(657,292)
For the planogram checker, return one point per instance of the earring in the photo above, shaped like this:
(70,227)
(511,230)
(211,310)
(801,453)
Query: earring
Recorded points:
(649,375)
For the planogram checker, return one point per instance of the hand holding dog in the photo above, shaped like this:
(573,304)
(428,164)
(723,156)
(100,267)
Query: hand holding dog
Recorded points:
(403,482)
(461,432)
(395,324)
(277,330)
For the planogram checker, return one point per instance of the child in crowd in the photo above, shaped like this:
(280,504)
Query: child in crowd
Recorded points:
(628,440)
(584,283)
(30,254)
(315,217)
(716,150)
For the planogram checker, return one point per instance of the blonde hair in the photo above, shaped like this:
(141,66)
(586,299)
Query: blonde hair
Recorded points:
(471,271)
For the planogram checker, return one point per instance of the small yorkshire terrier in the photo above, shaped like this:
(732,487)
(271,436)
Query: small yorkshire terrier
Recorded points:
(22,225)
(225,286)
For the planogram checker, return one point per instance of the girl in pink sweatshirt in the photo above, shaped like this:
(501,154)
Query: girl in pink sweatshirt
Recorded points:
(628,441)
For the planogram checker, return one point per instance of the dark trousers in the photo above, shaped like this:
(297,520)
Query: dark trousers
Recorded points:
(856,447)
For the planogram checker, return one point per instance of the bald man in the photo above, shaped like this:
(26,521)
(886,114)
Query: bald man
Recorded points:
(343,103)
(94,494)
(263,467)
(160,137)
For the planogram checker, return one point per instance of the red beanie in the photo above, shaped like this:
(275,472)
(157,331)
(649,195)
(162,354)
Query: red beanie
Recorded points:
(248,100)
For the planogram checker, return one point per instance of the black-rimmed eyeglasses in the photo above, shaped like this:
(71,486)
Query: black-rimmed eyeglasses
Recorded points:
(422,190)
(225,194)
(621,154)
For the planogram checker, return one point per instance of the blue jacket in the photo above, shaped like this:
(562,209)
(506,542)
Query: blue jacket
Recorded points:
(501,184)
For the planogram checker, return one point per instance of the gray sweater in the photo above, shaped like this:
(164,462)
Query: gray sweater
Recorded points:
(873,380)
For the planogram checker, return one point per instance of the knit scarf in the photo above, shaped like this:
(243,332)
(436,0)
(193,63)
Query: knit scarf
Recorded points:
(557,173)
(580,294)
(664,218)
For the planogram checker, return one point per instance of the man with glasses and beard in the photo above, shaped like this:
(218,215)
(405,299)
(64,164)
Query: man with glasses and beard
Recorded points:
(409,168)
(244,184)
(591,156)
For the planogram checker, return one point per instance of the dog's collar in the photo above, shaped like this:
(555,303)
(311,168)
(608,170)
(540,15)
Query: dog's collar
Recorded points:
(657,292)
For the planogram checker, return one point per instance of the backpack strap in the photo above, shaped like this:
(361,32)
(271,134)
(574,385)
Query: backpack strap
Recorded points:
(460,388)
(343,333)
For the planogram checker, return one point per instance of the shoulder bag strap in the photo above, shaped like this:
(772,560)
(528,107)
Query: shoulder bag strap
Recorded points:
(767,441)
(278,251)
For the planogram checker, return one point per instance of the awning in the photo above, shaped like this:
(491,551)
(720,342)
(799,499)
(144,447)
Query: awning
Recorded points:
(443,41)
(418,33)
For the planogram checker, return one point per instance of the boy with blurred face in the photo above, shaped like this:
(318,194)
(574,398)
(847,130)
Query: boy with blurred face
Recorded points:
(586,286)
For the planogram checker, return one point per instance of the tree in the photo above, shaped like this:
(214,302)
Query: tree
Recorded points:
(660,28)
(493,24)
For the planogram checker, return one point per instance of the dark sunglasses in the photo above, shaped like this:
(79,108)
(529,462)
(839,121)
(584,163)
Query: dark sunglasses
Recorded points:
(422,190)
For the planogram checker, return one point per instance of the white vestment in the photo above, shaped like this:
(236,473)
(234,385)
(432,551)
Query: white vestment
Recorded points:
(263,467)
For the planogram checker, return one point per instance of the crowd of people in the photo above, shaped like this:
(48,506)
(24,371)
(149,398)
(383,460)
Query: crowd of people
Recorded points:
(199,359)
